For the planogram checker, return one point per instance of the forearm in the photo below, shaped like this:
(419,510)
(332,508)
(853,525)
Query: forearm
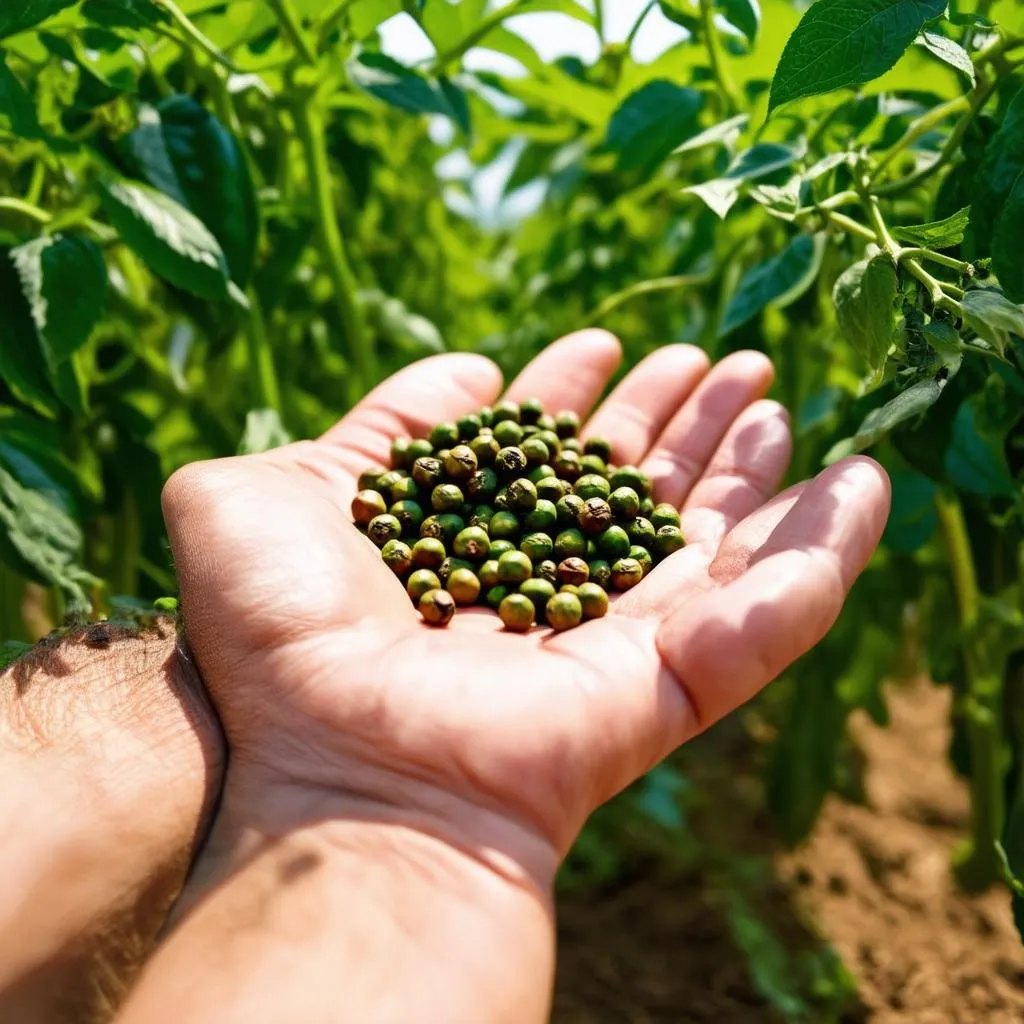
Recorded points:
(111,758)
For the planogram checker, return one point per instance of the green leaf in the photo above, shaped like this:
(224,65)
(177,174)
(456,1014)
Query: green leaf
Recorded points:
(865,300)
(651,123)
(679,13)
(946,344)
(907,405)
(913,518)
(993,317)
(744,14)
(64,280)
(263,431)
(770,281)
(22,363)
(131,14)
(843,43)
(402,87)
(937,234)
(725,133)
(16,105)
(1000,169)
(172,241)
(366,15)
(1007,254)
(974,460)
(186,152)
(18,15)
(760,161)
(948,52)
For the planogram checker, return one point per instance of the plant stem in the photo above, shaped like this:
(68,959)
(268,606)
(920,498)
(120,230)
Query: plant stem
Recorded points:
(266,393)
(292,26)
(634,31)
(14,205)
(334,19)
(313,136)
(634,291)
(192,34)
(977,863)
(443,60)
(962,268)
(599,20)
(849,225)
(921,127)
(713,43)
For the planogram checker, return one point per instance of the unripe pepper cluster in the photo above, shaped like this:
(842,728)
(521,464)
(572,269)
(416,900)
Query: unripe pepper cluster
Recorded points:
(510,509)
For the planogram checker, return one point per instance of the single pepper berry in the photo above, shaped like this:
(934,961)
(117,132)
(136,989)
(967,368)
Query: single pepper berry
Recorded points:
(428,553)
(505,412)
(643,556)
(405,489)
(569,588)
(537,546)
(464,586)
(593,464)
(593,601)
(428,472)
(517,612)
(450,565)
(482,485)
(469,426)
(570,544)
(485,448)
(641,531)
(369,479)
(539,473)
(472,543)
(461,462)
(529,431)
(383,528)
(546,422)
(366,505)
(598,446)
(539,592)
(444,435)
(647,507)
(514,567)
(501,500)
(421,581)
(596,516)
(614,543)
(531,410)
(486,415)
(553,489)
(389,479)
(496,595)
(447,498)
(630,476)
(567,424)
(397,557)
(489,574)
(500,546)
(419,449)
(626,573)
(543,516)
(568,509)
(590,485)
(522,495)
(400,452)
(664,515)
(508,433)
(409,514)
(567,465)
(437,607)
(625,504)
(536,452)
(668,540)
(600,572)
(547,571)
(572,444)
(510,461)
(573,571)
(550,439)
(481,516)
(503,526)
(563,611)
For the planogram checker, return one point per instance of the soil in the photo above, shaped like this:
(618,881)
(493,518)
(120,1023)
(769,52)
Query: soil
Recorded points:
(872,882)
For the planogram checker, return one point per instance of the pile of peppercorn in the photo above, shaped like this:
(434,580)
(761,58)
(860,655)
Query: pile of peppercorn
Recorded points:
(509,509)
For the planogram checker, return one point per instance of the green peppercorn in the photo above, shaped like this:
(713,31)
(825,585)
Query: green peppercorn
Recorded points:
(642,556)
(501,500)
(539,592)
(547,422)
(366,505)
(469,426)
(531,410)
(421,448)
(383,528)
(450,565)
(485,448)
(447,498)
(510,462)
(482,485)
(550,488)
(505,412)
(444,435)
(464,586)
(500,546)
(630,476)
(536,452)
(567,424)
(410,515)
(614,543)
(591,486)
(598,446)
(546,570)
(572,444)
(514,567)
(668,540)
(529,431)
(420,582)
(591,553)
(568,509)
(369,479)
(400,452)
(481,516)
(647,507)
(472,543)
(461,462)
(539,473)
(517,612)
(486,415)
(569,588)
(600,572)
(444,527)
(542,517)
(550,439)
(508,434)
(537,546)
(593,464)
(573,571)
(389,479)
(596,516)
(522,495)
(567,465)
(397,557)
(503,525)
(428,553)
(496,595)
(570,544)
(593,601)
(665,515)
(405,489)
(641,532)
(626,573)
(625,504)
(488,574)
(437,607)
(563,611)
(428,472)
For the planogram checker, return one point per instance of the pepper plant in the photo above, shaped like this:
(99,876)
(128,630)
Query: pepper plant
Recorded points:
(221,223)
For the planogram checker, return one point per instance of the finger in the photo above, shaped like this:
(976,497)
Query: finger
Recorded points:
(636,412)
(734,640)
(742,475)
(570,374)
(409,404)
(681,454)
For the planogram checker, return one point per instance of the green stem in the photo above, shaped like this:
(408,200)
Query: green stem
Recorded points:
(192,34)
(849,225)
(713,43)
(444,60)
(36,183)
(14,205)
(962,268)
(878,225)
(921,127)
(977,862)
(334,19)
(312,133)
(292,25)
(938,291)
(599,20)
(266,392)
(658,284)
(633,32)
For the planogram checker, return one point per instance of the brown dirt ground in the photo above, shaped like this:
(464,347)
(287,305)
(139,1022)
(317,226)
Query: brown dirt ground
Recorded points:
(873,881)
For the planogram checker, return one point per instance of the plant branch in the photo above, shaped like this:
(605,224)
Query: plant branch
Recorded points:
(444,60)
(715,55)
(26,209)
(921,127)
(634,291)
(962,268)
(291,24)
(192,34)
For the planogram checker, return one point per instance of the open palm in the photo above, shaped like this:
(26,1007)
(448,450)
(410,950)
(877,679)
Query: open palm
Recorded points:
(327,681)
